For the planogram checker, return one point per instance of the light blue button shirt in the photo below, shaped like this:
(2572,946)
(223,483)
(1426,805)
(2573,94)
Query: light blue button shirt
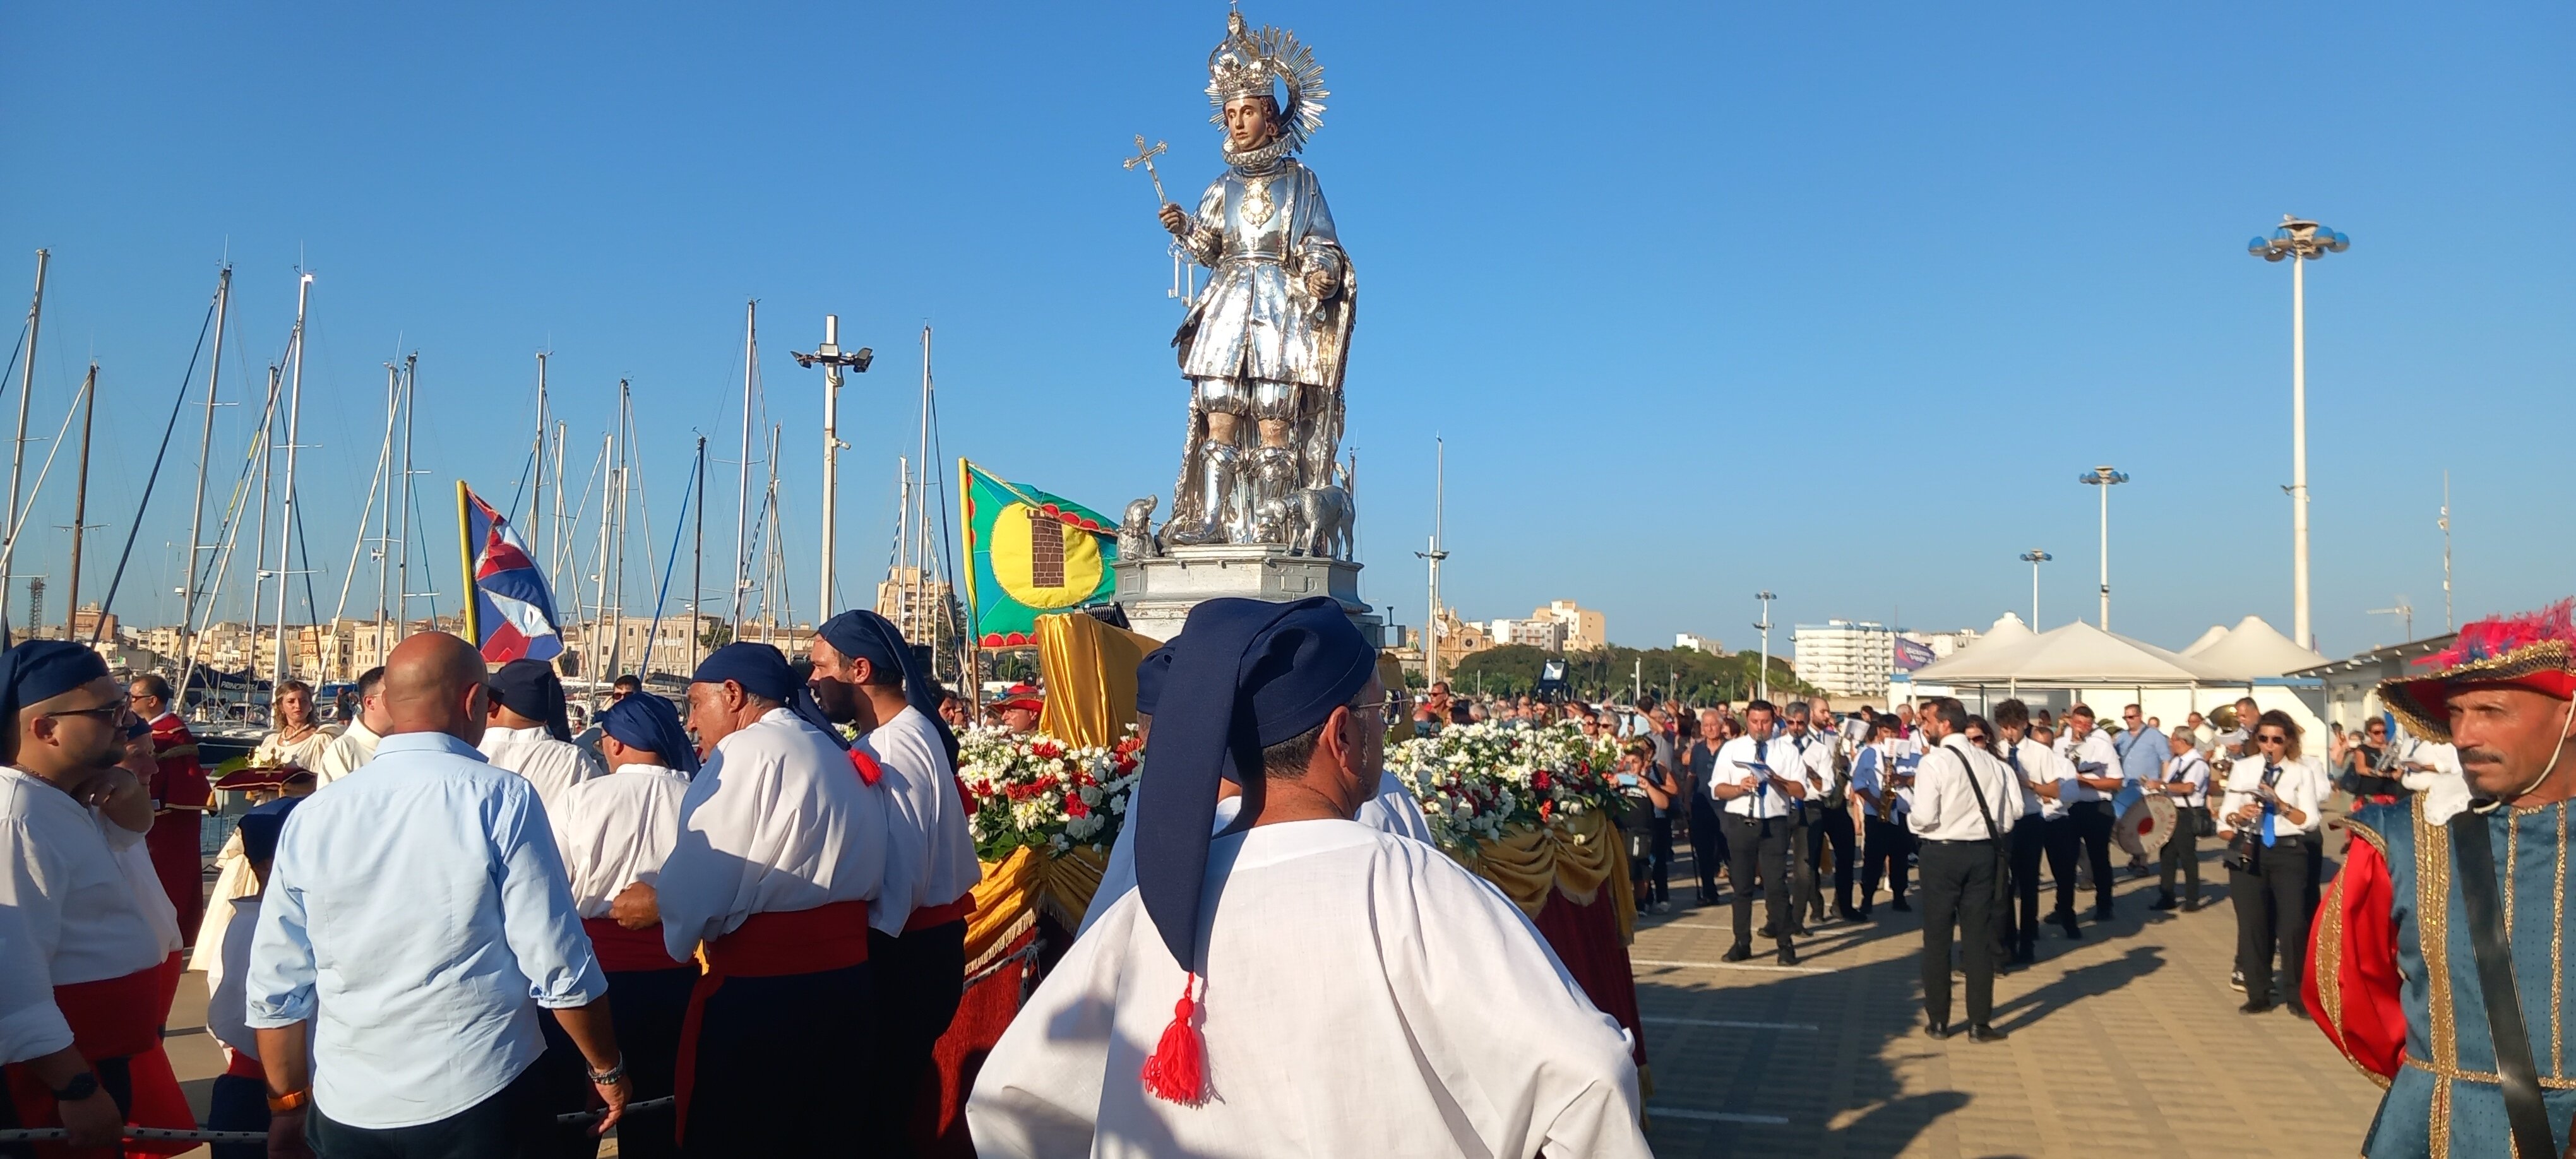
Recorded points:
(418,914)
(2142,758)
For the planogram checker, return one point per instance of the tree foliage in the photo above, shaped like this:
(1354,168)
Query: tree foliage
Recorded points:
(1610,673)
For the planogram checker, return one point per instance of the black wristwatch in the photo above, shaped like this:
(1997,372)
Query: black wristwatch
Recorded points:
(79,1088)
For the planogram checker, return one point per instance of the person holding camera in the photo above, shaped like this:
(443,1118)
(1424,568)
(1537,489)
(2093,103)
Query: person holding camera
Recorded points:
(2185,778)
(1647,794)
(2271,816)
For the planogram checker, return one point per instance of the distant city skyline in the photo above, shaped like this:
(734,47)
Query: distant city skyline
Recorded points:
(1869,291)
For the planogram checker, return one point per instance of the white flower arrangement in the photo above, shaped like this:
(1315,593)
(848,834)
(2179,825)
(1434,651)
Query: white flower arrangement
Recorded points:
(1032,789)
(1477,781)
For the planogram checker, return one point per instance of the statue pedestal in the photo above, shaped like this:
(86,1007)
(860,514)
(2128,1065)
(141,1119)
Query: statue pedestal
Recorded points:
(1158,593)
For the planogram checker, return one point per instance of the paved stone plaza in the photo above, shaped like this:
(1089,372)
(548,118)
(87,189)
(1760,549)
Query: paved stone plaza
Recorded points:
(2126,1043)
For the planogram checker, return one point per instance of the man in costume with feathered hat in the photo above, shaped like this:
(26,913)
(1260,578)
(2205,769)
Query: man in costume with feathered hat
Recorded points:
(2440,960)
(1265,345)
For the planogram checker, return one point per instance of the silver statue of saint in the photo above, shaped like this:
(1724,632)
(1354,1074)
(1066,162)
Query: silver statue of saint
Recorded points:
(1265,345)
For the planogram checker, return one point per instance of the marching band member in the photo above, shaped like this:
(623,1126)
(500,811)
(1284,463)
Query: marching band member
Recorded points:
(864,674)
(1877,780)
(1756,798)
(529,734)
(2035,784)
(66,813)
(1964,801)
(615,831)
(2186,780)
(2273,811)
(2088,796)
(1331,954)
(1827,819)
(782,847)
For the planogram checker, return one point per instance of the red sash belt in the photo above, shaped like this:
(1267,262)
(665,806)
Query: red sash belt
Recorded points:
(621,949)
(117,1018)
(767,945)
(244,1066)
(940,915)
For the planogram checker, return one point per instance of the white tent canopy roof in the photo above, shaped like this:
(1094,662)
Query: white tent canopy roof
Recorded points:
(2212,636)
(2077,655)
(2254,649)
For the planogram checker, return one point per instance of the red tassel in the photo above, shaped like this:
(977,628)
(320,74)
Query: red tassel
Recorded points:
(869,770)
(1177,1070)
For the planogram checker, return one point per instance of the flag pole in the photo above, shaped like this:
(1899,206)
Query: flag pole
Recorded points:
(465,549)
(972,677)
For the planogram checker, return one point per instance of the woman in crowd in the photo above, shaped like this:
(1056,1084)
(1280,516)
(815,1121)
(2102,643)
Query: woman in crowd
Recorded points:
(1648,794)
(299,737)
(2271,818)
(1708,840)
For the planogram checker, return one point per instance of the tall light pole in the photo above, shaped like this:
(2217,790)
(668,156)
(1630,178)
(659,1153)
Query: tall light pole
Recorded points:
(1763,677)
(2105,478)
(829,354)
(2035,557)
(1432,628)
(2447,625)
(2300,241)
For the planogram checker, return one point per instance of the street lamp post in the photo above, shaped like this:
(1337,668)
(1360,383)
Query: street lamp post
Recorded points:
(833,360)
(2105,478)
(2299,241)
(1762,678)
(2035,557)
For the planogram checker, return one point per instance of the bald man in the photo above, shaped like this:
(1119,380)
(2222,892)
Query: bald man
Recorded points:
(461,914)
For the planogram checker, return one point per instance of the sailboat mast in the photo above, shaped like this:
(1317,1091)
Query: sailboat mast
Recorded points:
(18,455)
(88,403)
(698,556)
(920,631)
(742,500)
(774,571)
(537,503)
(599,582)
(267,442)
(402,554)
(205,449)
(625,451)
(385,514)
(286,512)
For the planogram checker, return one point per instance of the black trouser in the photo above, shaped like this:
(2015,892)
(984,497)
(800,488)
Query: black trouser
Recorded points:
(1759,847)
(921,977)
(775,1055)
(1828,825)
(2028,840)
(563,1076)
(2274,905)
(2182,850)
(237,1103)
(2058,837)
(2093,823)
(1884,846)
(1708,845)
(516,1122)
(646,1007)
(1662,881)
(1959,891)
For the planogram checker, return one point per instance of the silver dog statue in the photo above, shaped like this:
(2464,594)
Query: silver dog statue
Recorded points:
(1318,522)
(1135,532)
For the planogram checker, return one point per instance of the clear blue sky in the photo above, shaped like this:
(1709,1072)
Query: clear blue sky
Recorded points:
(1711,298)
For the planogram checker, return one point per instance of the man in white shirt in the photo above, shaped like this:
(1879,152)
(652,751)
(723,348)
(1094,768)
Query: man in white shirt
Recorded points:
(1757,783)
(615,831)
(2035,787)
(865,674)
(2088,798)
(1880,773)
(782,848)
(529,733)
(2186,780)
(61,874)
(1331,954)
(1965,800)
(1824,821)
(356,744)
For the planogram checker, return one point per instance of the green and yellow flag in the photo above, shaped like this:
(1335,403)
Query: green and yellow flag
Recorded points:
(1028,553)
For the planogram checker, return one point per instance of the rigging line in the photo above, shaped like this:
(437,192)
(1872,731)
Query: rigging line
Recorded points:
(654,632)
(526,465)
(107,604)
(384,462)
(20,524)
(12,371)
(312,606)
(230,532)
(947,542)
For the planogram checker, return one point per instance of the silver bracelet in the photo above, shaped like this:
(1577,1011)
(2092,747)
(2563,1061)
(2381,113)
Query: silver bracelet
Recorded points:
(614,1074)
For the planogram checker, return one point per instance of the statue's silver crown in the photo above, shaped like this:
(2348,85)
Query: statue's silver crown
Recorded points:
(1249,63)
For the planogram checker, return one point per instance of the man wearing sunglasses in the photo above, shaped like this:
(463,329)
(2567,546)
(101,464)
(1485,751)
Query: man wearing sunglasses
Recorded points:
(97,1001)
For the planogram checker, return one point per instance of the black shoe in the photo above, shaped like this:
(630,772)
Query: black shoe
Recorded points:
(2101,913)
(1849,914)
(1864,913)
(1767,932)
(2191,906)
(1799,931)
(2236,981)
(2073,931)
(1788,956)
(1899,906)
(1738,952)
(2253,1007)
(2165,902)
(2026,954)
(2297,1011)
(1984,1033)
(1936,1030)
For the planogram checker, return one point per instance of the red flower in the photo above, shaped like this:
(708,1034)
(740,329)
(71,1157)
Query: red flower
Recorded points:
(1541,780)
(1546,809)
(1073,806)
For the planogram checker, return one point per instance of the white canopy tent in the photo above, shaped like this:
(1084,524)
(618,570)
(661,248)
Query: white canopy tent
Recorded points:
(2080,663)
(2253,649)
(2202,644)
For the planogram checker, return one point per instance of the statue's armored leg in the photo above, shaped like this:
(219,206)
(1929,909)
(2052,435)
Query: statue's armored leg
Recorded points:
(1212,486)
(1276,404)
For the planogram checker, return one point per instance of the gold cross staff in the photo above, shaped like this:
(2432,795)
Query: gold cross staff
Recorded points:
(1145,157)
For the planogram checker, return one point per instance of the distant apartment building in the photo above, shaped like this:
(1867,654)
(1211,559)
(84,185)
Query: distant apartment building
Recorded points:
(1539,632)
(1694,642)
(1857,657)
(1585,629)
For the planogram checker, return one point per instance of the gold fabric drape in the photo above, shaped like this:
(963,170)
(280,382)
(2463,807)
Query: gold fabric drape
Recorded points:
(1577,856)
(1090,673)
(1017,888)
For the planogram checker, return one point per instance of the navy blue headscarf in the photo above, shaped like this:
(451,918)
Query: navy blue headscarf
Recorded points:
(531,689)
(762,671)
(645,721)
(261,826)
(40,670)
(864,635)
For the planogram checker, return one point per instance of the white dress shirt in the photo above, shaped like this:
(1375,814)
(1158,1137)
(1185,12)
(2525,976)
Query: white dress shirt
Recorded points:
(31,1026)
(1945,799)
(1870,772)
(416,918)
(2095,749)
(2041,765)
(1816,754)
(1766,801)
(2193,768)
(2300,784)
(777,821)
(150,896)
(615,830)
(2444,786)
(929,852)
(355,746)
(59,867)
(551,765)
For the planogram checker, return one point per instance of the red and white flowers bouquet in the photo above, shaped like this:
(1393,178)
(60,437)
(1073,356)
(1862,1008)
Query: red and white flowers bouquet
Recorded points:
(1476,781)
(1034,790)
